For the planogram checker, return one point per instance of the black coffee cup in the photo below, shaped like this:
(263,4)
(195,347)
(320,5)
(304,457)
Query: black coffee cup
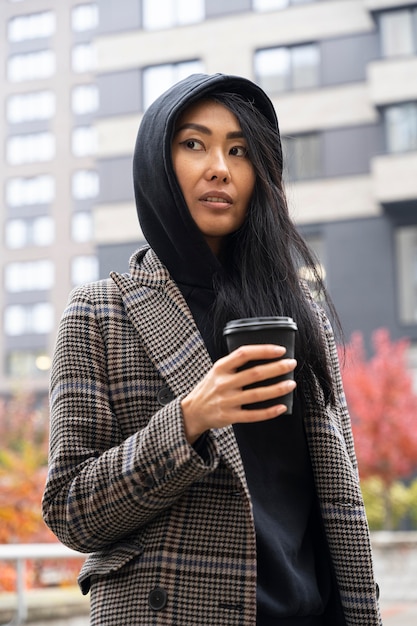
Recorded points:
(261,330)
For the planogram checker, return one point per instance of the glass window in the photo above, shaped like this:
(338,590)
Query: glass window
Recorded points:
(82,226)
(30,148)
(31,26)
(29,276)
(272,69)
(37,231)
(168,13)
(302,156)
(85,184)
(83,58)
(42,231)
(22,363)
(84,17)
(271,5)
(84,141)
(22,319)
(398,32)
(401,127)
(28,191)
(39,105)
(84,99)
(84,269)
(406,247)
(31,66)
(305,66)
(285,68)
(159,78)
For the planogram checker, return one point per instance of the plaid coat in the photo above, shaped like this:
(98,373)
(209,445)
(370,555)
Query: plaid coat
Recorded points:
(170,533)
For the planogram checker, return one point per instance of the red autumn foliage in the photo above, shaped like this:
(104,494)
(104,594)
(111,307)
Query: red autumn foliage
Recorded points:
(383,407)
(23,467)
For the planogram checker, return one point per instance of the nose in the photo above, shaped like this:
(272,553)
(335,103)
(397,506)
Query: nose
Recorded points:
(218,168)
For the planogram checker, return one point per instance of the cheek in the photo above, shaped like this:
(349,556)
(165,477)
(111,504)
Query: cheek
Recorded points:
(184,172)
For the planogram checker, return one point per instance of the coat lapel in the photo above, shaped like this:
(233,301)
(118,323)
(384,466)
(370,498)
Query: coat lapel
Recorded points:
(158,311)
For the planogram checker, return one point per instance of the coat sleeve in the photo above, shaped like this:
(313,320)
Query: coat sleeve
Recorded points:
(102,487)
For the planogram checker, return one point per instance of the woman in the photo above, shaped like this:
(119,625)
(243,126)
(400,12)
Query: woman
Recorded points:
(195,510)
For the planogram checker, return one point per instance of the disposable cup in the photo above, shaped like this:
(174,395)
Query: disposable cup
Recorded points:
(262,330)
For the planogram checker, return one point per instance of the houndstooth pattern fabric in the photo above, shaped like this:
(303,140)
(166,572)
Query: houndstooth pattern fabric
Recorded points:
(171,535)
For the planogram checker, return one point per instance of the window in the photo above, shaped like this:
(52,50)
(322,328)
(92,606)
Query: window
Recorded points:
(82,227)
(31,26)
(84,17)
(159,78)
(84,99)
(168,13)
(271,5)
(22,363)
(27,363)
(38,231)
(85,184)
(398,32)
(406,246)
(31,66)
(84,269)
(84,141)
(28,191)
(30,148)
(39,105)
(401,127)
(23,319)
(83,58)
(29,276)
(302,156)
(282,69)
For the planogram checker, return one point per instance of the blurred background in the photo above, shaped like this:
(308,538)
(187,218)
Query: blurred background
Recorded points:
(75,79)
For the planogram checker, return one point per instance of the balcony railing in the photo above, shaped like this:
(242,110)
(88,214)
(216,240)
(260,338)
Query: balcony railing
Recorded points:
(20,553)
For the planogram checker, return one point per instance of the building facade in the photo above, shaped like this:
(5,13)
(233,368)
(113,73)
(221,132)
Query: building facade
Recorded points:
(78,76)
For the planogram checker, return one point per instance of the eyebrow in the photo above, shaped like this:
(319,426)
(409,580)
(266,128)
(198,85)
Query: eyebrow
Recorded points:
(235,134)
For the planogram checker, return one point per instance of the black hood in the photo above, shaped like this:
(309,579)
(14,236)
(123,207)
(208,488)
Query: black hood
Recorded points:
(163,214)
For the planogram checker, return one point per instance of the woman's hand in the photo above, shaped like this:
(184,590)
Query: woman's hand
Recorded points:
(217,399)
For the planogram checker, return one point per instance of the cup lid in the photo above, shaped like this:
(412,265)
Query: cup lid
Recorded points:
(256,323)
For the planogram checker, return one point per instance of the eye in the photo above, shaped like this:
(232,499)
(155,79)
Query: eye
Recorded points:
(192,144)
(239,151)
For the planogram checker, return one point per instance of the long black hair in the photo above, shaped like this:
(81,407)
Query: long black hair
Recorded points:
(261,262)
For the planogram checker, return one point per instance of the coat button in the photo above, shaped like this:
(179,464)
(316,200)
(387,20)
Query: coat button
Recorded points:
(157,599)
(170,463)
(160,471)
(165,396)
(149,481)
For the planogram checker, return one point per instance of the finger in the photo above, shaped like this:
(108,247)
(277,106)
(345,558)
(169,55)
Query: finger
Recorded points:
(253,352)
(264,371)
(267,392)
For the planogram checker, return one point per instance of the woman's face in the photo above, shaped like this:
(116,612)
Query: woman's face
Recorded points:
(210,160)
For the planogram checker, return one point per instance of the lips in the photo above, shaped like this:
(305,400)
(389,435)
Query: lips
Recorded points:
(217,197)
